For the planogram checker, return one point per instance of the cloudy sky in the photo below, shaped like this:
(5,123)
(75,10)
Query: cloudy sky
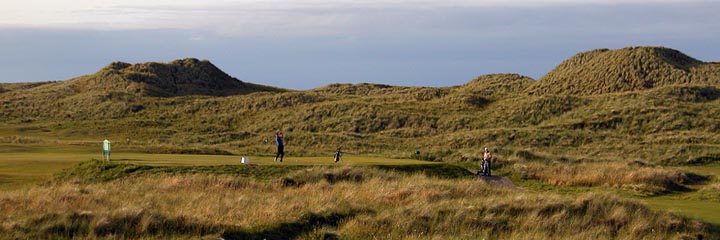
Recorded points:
(303,44)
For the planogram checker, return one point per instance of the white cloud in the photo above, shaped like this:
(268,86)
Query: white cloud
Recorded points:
(258,17)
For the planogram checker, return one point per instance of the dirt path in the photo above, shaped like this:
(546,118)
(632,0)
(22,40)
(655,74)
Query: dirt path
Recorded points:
(497,181)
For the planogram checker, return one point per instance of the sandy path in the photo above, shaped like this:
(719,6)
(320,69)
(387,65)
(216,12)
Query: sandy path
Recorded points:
(498,181)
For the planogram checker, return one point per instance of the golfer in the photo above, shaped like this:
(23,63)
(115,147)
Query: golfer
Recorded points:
(487,157)
(280,147)
(338,153)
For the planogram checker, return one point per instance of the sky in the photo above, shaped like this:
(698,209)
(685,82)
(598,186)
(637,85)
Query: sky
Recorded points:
(304,44)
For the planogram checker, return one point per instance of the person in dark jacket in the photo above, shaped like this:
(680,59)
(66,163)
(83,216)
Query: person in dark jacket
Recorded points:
(280,147)
(338,153)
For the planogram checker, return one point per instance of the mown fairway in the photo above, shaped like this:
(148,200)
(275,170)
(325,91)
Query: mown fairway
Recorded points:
(24,166)
(706,210)
(702,202)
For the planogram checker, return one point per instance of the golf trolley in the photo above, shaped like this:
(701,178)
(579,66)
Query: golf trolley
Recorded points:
(484,168)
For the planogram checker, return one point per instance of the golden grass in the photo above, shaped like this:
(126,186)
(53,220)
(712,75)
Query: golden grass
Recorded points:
(641,179)
(628,69)
(712,187)
(381,204)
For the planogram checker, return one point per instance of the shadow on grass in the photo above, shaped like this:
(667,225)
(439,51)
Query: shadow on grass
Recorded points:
(142,224)
(291,230)
(683,186)
(99,171)
(139,224)
(430,170)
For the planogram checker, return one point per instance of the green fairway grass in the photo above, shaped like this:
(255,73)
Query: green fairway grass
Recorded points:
(705,210)
(712,170)
(23,166)
(201,160)
(690,204)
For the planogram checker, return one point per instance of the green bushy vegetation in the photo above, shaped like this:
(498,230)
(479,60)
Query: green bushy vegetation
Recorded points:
(492,110)
(504,111)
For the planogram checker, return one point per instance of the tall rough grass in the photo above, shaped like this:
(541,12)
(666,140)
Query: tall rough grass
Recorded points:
(353,203)
(638,177)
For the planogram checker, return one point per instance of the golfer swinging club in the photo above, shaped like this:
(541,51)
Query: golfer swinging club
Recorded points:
(280,147)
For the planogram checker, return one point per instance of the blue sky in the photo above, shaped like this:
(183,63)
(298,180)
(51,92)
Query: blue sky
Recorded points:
(305,44)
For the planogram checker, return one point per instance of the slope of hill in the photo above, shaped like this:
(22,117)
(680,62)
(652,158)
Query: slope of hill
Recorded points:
(481,91)
(121,89)
(497,86)
(496,110)
(362,89)
(177,78)
(7,87)
(629,69)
